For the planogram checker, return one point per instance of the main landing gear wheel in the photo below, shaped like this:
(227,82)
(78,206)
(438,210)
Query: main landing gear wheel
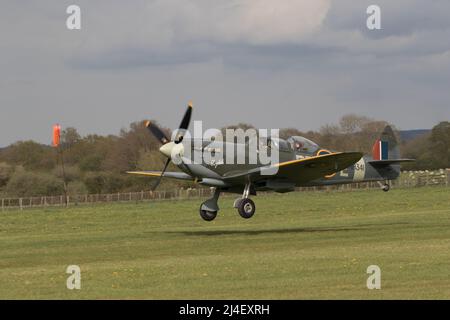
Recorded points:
(209,208)
(208,215)
(246,208)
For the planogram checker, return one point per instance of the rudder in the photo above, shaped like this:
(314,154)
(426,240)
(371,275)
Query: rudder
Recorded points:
(386,147)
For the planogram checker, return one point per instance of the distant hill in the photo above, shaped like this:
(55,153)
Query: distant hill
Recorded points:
(407,135)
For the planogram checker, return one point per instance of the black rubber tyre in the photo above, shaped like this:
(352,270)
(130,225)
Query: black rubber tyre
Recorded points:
(386,187)
(208,215)
(246,208)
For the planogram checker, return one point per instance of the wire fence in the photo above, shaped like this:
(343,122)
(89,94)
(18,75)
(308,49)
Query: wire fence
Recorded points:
(407,179)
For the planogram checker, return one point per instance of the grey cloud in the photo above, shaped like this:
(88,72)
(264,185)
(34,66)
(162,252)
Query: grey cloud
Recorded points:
(409,28)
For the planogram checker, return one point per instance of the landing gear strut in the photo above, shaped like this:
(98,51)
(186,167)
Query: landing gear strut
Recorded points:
(385,187)
(245,206)
(209,208)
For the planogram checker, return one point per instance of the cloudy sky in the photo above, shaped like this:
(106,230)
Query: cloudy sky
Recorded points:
(289,63)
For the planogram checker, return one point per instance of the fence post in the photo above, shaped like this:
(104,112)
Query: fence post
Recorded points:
(3,204)
(20,203)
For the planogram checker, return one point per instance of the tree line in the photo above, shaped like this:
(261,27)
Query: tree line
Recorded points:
(97,164)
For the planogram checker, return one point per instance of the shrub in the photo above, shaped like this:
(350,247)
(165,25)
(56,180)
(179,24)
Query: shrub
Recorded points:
(6,172)
(76,187)
(27,184)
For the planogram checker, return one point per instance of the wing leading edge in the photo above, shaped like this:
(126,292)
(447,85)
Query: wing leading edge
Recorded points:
(173,175)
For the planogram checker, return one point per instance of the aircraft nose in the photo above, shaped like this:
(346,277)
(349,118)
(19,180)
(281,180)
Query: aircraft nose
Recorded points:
(166,149)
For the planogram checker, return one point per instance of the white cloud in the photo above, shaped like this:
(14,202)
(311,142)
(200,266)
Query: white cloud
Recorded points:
(270,22)
(161,24)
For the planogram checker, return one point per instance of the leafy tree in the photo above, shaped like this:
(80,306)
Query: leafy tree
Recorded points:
(352,123)
(152,160)
(92,162)
(440,144)
(289,132)
(354,133)
(417,149)
(6,171)
(76,188)
(95,182)
(125,152)
(26,184)
(70,137)
(72,173)
(431,150)
(31,155)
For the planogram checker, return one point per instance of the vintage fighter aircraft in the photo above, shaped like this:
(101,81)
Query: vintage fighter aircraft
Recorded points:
(301,163)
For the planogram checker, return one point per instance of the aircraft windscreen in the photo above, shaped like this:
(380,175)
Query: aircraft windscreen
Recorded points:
(302,145)
(277,143)
(281,145)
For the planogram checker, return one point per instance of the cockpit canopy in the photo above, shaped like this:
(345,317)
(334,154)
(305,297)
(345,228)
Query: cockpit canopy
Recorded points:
(302,145)
(277,143)
(299,145)
(281,145)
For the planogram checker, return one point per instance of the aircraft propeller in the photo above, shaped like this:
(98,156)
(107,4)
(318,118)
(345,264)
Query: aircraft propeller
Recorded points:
(168,146)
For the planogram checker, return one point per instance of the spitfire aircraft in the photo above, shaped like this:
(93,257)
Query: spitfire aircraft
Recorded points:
(301,163)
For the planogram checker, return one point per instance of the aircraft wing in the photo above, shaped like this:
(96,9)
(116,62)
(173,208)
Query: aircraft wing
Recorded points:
(301,170)
(173,175)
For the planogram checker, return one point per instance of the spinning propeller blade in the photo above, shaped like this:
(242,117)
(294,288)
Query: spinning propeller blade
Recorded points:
(184,124)
(187,117)
(157,132)
(161,176)
(161,137)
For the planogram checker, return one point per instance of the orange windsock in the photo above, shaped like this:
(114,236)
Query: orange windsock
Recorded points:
(56,135)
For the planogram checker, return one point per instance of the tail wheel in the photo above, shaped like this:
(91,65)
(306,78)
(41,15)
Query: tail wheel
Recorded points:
(246,208)
(208,215)
(386,187)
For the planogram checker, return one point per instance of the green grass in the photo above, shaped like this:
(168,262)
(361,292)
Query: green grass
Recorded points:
(297,246)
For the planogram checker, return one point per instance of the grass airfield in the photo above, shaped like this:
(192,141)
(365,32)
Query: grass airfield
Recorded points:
(309,245)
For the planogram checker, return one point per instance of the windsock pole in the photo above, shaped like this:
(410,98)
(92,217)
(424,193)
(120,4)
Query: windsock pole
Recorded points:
(59,152)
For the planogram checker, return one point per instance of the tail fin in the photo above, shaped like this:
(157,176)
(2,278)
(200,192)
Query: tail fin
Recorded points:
(386,147)
(386,150)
